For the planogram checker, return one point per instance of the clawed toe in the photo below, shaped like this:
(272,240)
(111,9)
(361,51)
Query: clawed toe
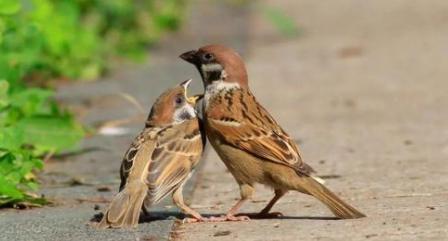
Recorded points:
(227,218)
(237,218)
(216,219)
(191,220)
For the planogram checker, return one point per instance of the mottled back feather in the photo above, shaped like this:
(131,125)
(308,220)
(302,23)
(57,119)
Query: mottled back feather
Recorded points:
(250,127)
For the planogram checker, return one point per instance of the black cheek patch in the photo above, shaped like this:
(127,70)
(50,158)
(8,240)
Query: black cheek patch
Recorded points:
(214,75)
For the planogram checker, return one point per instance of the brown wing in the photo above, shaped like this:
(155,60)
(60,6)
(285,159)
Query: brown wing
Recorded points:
(250,127)
(177,152)
(139,153)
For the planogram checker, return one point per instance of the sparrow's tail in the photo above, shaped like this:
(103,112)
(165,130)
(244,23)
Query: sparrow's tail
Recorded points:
(124,210)
(334,203)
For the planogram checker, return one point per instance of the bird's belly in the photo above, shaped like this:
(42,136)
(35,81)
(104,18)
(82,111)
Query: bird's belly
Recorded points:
(243,166)
(249,169)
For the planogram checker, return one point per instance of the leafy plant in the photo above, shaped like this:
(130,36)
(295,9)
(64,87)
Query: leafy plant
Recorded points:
(47,39)
(44,40)
(129,26)
(31,125)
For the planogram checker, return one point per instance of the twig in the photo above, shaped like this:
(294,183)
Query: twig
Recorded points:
(48,156)
(131,99)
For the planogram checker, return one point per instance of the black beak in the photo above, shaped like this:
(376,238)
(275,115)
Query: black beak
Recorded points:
(190,56)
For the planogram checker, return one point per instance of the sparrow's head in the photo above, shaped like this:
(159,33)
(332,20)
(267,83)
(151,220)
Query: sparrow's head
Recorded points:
(218,63)
(173,106)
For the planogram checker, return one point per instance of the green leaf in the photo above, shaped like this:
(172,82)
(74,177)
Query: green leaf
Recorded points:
(16,177)
(8,189)
(32,186)
(91,72)
(8,7)
(284,23)
(4,86)
(2,29)
(48,133)
(31,101)
(11,138)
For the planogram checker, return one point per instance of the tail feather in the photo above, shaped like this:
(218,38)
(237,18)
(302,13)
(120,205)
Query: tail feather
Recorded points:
(124,210)
(338,207)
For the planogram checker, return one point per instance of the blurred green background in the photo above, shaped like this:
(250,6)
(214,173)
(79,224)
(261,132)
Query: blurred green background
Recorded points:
(45,41)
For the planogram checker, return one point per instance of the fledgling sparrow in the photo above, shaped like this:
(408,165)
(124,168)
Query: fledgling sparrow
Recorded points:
(159,160)
(249,141)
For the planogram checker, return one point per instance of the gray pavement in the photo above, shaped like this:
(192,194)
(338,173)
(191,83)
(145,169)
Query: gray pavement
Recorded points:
(364,91)
(81,185)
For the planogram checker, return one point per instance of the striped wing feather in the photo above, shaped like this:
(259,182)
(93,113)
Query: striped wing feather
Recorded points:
(250,127)
(177,152)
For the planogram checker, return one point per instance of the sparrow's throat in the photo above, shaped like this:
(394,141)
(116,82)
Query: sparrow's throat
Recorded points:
(211,72)
(187,112)
(214,89)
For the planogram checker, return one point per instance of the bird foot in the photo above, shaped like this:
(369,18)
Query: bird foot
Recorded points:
(228,218)
(193,220)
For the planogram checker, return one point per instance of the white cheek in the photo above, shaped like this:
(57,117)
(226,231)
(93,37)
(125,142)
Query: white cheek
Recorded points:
(190,110)
(211,67)
(181,113)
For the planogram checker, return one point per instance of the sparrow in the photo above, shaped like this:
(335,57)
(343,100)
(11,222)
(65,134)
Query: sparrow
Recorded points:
(159,161)
(250,142)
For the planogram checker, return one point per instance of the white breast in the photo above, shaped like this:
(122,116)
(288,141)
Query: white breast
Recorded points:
(215,87)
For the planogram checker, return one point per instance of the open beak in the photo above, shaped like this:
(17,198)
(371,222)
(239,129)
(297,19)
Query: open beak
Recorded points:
(194,99)
(190,56)
(185,84)
(191,100)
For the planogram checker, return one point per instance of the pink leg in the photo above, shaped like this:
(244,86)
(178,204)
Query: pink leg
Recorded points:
(246,192)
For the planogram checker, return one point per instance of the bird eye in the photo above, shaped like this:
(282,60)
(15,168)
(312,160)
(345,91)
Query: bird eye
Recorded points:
(208,57)
(179,100)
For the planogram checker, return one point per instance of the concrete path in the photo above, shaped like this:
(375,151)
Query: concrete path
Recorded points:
(364,92)
(362,89)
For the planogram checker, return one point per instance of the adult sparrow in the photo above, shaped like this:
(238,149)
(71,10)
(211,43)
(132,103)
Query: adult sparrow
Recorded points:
(159,161)
(249,141)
